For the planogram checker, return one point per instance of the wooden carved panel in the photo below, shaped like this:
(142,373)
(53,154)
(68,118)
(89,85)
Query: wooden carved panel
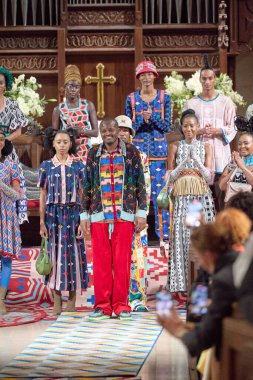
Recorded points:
(181,41)
(82,18)
(245,20)
(182,62)
(27,43)
(99,40)
(29,63)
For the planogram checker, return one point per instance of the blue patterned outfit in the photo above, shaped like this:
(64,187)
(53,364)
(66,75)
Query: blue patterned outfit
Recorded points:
(12,118)
(10,237)
(150,138)
(64,182)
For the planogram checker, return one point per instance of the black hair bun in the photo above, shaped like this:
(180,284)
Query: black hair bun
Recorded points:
(49,136)
(72,132)
(242,124)
(189,112)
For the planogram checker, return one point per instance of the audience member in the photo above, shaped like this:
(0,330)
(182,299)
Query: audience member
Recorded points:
(243,202)
(213,245)
(240,169)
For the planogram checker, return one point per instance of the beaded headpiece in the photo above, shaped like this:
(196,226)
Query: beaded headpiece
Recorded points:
(72,72)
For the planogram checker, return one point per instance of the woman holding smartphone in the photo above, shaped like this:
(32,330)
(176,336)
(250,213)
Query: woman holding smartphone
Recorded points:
(215,251)
(190,163)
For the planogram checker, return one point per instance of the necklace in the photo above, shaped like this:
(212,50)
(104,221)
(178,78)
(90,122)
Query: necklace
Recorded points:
(148,96)
(248,160)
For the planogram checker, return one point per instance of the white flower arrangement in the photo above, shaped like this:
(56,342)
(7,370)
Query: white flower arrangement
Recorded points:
(24,91)
(180,89)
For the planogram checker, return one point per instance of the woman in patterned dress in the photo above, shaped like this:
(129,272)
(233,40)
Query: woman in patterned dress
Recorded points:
(242,160)
(61,181)
(11,121)
(10,238)
(76,112)
(190,162)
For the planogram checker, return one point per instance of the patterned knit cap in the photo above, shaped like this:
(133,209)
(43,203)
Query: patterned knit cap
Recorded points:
(146,67)
(72,72)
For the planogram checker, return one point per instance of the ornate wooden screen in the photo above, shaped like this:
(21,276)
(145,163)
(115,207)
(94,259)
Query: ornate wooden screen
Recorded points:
(40,37)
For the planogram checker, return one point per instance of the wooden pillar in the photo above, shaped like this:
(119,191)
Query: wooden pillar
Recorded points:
(61,59)
(138,35)
(64,13)
(223,37)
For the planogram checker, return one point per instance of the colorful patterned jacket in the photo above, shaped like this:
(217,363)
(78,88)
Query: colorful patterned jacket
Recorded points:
(150,137)
(134,191)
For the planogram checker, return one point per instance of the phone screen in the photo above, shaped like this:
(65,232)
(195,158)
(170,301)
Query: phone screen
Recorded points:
(199,299)
(164,303)
(194,214)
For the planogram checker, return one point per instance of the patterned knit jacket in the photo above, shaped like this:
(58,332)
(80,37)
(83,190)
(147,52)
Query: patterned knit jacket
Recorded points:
(134,191)
(150,137)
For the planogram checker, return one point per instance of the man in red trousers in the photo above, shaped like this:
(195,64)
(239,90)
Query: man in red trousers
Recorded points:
(114,190)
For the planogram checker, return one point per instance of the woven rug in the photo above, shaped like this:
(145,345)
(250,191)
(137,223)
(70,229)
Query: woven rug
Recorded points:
(27,291)
(75,347)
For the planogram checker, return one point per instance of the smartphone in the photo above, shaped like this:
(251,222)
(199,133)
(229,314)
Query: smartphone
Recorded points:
(194,214)
(199,300)
(164,303)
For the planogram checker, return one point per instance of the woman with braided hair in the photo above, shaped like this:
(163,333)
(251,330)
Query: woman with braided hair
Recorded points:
(76,112)
(190,163)
(11,121)
(61,181)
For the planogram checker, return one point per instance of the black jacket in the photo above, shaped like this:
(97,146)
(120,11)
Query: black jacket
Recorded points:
(207,333)
(245,294)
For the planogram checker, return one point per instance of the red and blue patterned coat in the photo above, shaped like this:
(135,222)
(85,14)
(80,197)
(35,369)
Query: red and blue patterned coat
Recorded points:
(134,190)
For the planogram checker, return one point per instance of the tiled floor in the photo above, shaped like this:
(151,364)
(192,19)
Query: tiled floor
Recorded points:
(167,361)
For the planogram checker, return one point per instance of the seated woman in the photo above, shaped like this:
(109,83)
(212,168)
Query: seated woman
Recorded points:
(240,169)
(190,162)
(213,246)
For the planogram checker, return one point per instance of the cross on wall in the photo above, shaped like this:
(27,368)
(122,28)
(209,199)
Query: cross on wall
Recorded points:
(100,80)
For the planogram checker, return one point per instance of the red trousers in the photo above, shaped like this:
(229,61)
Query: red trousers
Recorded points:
(111,265)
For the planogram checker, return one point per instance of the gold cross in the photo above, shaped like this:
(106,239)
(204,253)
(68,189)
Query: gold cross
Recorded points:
(100,80)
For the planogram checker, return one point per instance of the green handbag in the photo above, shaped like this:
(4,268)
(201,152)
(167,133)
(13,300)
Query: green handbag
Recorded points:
(163,199)
(43,263)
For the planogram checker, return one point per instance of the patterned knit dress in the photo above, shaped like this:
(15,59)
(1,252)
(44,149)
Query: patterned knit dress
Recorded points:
(63,182)
(77,117)
(180,239)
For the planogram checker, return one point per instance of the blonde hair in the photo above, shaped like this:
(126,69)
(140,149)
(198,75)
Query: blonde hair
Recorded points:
(237,222)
